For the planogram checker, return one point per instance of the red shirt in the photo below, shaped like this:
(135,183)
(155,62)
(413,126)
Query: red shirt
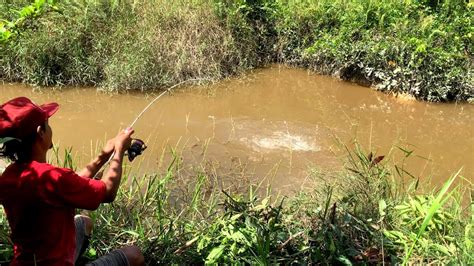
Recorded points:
(39,201)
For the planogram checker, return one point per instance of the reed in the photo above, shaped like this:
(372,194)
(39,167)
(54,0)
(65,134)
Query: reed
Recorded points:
(359,215)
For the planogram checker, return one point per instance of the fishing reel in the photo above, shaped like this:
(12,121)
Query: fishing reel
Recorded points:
(136,148)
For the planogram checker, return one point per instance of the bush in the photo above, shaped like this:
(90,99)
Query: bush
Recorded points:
(422,48)
(399,47)
(124,45)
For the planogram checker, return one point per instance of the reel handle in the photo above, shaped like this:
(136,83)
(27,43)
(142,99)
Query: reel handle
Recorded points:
(136,148)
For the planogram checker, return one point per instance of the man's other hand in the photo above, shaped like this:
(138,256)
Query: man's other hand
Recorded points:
(109,148)
(123,140)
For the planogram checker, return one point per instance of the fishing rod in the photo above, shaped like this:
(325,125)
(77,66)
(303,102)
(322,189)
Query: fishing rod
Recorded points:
(138,146)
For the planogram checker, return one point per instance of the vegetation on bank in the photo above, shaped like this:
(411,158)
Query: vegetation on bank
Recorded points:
(418,47)
(363,214)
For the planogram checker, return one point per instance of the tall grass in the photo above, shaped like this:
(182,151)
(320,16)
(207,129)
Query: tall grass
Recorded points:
(359,215)
(422,48)
(124,45)
(6,248)
(438,202)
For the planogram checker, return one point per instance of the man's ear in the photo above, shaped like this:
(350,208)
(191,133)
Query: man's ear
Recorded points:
(40,131)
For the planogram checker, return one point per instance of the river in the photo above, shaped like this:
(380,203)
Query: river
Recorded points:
(279,124)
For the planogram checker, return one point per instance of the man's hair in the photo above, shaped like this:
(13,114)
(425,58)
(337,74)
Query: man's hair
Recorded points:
(19,150)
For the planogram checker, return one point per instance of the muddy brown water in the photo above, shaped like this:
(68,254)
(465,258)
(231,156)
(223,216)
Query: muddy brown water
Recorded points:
(274,124)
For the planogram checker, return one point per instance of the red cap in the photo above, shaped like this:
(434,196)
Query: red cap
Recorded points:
(20,117)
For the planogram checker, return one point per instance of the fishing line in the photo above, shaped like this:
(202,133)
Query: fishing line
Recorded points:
(159,96)
(138,146)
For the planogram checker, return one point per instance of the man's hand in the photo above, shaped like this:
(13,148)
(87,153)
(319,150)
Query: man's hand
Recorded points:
(108,148)
(123,140)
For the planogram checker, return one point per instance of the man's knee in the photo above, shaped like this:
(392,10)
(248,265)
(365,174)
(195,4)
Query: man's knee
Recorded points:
(88,224)
(134,255)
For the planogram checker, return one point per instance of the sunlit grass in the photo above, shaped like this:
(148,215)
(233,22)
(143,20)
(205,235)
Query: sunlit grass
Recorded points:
(360,215)
(419,48)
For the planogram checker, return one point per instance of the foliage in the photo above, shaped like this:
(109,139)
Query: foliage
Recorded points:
(246,232)
(423,47)
(6,250)
(251,21)
(25,18)
(423,226)
(124,45)
(396,46)
(359,216)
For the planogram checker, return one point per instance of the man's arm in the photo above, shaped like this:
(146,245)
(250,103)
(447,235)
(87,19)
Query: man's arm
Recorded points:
(95,165)
(114,174)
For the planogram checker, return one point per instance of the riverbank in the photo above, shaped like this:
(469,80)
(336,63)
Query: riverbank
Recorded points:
(360,215)
(416,48)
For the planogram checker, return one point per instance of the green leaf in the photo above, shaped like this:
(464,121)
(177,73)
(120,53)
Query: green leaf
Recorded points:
(26,11)
(215,255)
(382,207)
(265,202)
(133,233)
(437,203)
(236,216)
(344,260)
(92,253)
(240,237)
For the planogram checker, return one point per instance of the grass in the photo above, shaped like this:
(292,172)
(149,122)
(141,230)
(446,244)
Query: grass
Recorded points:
(123,45)
(436,204)
(360,215)
(416,47)
(396,46)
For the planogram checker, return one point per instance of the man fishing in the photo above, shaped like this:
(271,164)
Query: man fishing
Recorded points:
(40,199)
